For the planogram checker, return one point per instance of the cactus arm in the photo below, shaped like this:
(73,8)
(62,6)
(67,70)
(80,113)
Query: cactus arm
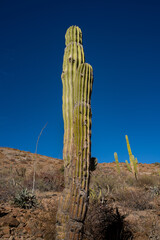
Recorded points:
(128,146)
(117,162)
(133,161)
(128,166)
(137,167)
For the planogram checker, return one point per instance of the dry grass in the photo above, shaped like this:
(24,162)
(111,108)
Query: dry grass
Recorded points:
(47,181)
(139,199)
(144,181)
(15,179)
(125,189)
(135,200)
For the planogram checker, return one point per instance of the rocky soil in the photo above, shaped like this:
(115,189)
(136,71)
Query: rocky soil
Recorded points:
(138,201)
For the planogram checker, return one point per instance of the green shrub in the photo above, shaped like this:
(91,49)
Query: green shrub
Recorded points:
(25,199)
(155,191)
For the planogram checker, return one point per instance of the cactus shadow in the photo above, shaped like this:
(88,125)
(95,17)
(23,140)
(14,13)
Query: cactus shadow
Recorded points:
(105,223)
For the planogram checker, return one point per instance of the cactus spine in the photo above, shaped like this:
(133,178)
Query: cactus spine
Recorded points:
(133,167)
(77,79)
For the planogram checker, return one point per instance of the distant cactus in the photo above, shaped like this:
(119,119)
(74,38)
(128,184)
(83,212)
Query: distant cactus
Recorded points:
(77,79)
(133,167)
(128,166)
(117,162)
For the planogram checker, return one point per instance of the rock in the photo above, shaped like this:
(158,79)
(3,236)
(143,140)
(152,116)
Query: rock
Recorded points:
(3,213)
(6,230)
(9,221)
(24,231)
(11,238)
(13,222)
(6,236)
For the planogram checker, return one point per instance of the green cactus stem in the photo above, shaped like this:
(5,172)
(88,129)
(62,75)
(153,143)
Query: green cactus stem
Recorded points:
(117,162)
(77,79)
(133,167)
(128,166)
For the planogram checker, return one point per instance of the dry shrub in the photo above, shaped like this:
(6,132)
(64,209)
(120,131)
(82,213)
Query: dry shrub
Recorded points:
(143,181)
(135,200)
(125,189)
(157,164)
(21,172)
(105,186)
(148,180)
(7,190)
(103,182)
(155,229)
(46,181)
(148,227)
(8,185)
(104,223)
(14,180)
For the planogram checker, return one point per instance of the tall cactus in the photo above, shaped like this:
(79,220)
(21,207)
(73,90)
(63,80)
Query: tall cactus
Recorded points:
(117,162)
(133,167)
(77,79)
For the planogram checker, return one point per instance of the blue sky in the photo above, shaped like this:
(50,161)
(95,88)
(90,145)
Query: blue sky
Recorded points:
(121,41)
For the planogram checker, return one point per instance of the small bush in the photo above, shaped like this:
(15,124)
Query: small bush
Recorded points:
(21,172)
(148,180)
(104,186)
(157,164)
(50,182)
(46,181)
(136,200)
(144,181)
(105,183)
(155,191)
(25,199)
(62,169)
(7,189)
(104,223)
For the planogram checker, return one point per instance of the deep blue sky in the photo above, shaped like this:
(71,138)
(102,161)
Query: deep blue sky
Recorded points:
(121,41)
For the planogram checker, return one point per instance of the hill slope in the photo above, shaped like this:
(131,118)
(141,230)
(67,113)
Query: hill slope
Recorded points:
(124,207)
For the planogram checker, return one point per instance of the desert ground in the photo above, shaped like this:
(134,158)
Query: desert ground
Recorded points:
(120,207)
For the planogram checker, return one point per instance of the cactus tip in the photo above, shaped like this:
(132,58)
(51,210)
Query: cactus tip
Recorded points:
(73,34)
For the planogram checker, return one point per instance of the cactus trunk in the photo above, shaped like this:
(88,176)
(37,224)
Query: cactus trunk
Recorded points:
(117,162)
(133,167)
(77,79)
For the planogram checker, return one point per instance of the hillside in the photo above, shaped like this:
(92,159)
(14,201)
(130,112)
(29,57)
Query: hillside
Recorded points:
(121,207)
